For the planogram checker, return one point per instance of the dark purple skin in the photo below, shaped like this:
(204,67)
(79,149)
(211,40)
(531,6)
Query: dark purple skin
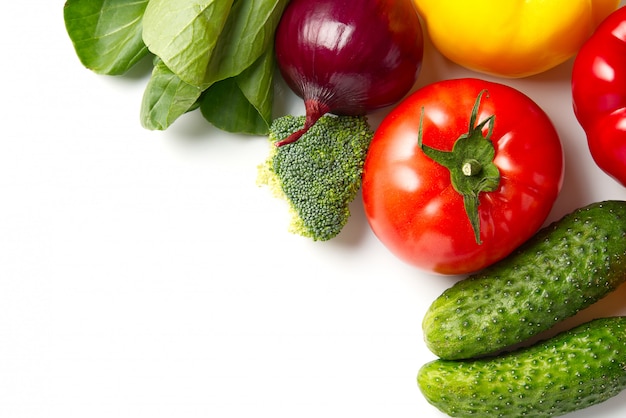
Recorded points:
(348,57)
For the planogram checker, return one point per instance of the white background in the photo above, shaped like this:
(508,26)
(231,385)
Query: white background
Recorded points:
(144,274)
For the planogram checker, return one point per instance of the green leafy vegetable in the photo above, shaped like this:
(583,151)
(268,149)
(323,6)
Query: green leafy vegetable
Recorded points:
(248,33)
(243,103)
(216,55)
(183,33)
(166,98)
(107,34)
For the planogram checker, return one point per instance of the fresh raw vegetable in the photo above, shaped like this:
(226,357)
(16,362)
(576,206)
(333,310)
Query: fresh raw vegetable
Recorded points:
(564,268)
(216,55)
(107,35)
(348,57)
(511,38)
(320,174)
(429,211)
(599,94)
(571,371)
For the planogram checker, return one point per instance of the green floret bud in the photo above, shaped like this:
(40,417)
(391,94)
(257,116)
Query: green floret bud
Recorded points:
(320,174)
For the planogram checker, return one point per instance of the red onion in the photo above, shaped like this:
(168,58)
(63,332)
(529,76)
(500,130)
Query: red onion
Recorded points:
(348,57)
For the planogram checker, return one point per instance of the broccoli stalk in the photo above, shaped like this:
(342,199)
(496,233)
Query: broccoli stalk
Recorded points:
(319,174)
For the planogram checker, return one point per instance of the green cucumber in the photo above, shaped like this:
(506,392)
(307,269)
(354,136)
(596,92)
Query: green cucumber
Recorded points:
(564,268)
(571,371)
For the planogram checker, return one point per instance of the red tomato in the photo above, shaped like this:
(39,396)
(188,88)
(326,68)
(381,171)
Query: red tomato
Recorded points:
(413,206)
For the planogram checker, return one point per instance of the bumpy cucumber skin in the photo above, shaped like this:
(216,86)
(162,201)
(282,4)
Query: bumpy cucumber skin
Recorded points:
(571,371)
(564,268)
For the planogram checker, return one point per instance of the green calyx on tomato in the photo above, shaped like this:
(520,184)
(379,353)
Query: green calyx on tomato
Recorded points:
(471,166)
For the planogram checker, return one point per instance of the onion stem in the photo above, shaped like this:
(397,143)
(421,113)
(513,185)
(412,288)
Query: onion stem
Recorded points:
(314,110)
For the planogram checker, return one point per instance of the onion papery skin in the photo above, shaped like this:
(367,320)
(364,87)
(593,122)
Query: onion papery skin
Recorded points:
(349,57)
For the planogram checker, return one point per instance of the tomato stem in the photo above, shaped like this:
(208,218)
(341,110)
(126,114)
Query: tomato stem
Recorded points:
(471,166)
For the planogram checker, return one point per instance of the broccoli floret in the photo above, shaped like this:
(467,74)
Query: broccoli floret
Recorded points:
(319,174)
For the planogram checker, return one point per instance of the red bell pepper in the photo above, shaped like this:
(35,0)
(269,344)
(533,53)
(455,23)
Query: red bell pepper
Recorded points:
(599,94)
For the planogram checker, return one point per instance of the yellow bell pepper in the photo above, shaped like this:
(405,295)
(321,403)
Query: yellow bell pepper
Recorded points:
(511,38)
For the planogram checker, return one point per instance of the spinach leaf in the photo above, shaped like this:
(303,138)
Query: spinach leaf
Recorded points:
(248,33)
(243,103)
(165,98)
(213,54)
(183,33)
(106,34)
